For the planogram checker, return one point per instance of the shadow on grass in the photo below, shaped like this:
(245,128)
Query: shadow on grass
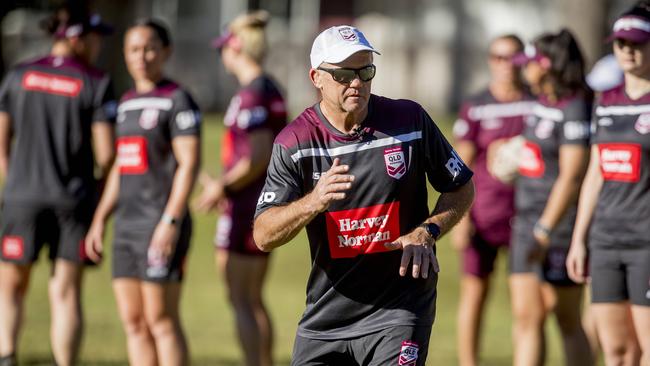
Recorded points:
(47,361)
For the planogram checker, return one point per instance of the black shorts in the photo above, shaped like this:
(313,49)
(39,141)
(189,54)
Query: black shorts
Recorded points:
(130,255)
(26,228)
(553,269)
(235,234)
(399,345)
(619,275)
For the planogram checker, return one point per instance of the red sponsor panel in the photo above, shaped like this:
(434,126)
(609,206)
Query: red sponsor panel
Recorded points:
(13,247)
(362,230)
(408,354)
(531,163)
(620,162)
(132,155)
(52,83)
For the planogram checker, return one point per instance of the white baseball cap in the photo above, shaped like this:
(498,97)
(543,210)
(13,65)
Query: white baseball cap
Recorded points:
(337,43)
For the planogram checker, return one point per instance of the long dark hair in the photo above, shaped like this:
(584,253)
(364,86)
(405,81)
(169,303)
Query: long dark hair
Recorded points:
(567,71)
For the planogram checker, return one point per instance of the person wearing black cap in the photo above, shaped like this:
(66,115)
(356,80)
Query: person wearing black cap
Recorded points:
(613,223)
(148,188)
(54,111)
(553,163)
(255,116)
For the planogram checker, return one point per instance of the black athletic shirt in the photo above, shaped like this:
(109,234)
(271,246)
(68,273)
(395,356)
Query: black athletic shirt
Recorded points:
(354,287)
(548,128)
(146,125)
(622,134)
(53,102)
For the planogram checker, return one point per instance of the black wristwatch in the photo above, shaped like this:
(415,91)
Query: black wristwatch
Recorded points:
(432,229)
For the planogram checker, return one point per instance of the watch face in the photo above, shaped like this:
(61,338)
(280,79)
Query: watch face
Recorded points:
(433,230)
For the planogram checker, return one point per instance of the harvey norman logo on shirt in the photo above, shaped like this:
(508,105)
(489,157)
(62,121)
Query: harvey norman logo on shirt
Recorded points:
(362,230)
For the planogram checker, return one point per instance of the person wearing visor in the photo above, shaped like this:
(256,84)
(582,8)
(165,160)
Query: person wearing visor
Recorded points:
(352,170)
(56,124)
(611,241)
(553,163)
(486,120)
(256,114)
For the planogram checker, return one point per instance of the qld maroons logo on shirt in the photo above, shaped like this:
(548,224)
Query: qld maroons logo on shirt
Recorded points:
(620,162)
(395,162)
(362,230)
(132,155)
(408,354)
(531,163)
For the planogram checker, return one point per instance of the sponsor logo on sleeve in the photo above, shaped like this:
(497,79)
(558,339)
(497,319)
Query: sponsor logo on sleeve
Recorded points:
(266,197)
(395,162)
(455,164)
(408,354)
(531,163)
(251,117)
(187,119)
(620,162)
(642,124)
(51,83)
(576,130)
(13,247)
(110,109)
(148,118)
(132,155)
(544,129)
(362,230)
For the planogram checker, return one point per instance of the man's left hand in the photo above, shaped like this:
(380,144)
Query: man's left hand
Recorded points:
(417,245)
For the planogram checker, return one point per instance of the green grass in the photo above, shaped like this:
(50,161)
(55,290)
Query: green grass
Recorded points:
(208,320)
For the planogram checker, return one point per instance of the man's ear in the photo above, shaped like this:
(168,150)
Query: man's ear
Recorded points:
(315,78)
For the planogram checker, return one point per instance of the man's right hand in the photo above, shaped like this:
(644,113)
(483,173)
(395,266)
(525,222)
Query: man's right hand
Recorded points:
(331,186)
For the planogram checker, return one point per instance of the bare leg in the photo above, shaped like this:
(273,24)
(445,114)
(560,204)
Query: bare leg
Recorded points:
(140,343)
(161,309)
(641,318)
(567,311)
(616,333)
(244,277)
(589,324)
(529,314)
(66,326)
(473,294)
(14,280)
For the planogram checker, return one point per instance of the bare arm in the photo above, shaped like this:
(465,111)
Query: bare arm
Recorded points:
(5,144)
(462,233)
(95,236)
(103,135)
(278,225)
(593,183)
(573,164)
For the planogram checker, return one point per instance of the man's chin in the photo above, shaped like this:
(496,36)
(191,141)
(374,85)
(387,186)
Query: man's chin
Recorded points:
(354,104)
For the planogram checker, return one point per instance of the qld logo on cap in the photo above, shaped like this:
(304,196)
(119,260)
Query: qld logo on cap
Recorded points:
(348,34)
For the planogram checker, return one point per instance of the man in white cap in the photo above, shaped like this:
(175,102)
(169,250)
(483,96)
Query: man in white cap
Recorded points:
(352,169)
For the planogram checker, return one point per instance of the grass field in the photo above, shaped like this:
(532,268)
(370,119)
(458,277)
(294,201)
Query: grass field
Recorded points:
(208,320)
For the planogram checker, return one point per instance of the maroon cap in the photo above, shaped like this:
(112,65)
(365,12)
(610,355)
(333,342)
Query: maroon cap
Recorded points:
(221,40)
(531,53)
(84,26)
(631,28)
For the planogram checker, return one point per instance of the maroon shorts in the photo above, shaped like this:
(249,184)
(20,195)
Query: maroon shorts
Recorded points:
(480,255)
(235,231)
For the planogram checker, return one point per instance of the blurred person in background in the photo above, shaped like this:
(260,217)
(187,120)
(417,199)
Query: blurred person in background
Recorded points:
(614,211)
(254,117)
(56,123)
(553,163)
(493,115)
(158,155)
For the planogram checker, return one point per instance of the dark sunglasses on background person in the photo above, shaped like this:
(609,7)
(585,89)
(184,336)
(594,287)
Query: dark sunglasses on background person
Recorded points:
(345,76)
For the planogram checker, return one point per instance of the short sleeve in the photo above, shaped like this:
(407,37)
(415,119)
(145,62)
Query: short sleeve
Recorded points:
(445,169)
(5,90)
(283,182)
(185,119)
(253,111)
(104,102)
(576,126)
(465,128)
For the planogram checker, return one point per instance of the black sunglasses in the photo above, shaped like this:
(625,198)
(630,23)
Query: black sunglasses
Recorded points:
(345,76)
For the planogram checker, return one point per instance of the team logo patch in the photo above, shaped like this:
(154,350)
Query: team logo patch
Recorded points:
(132,155)
(531,163)
(544,129)
(348,34)
(362,230)
(13,247)
(620,162)
(642,124)
(51,83)
(454,165)
(149,118)
(395,162)
(408,354)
